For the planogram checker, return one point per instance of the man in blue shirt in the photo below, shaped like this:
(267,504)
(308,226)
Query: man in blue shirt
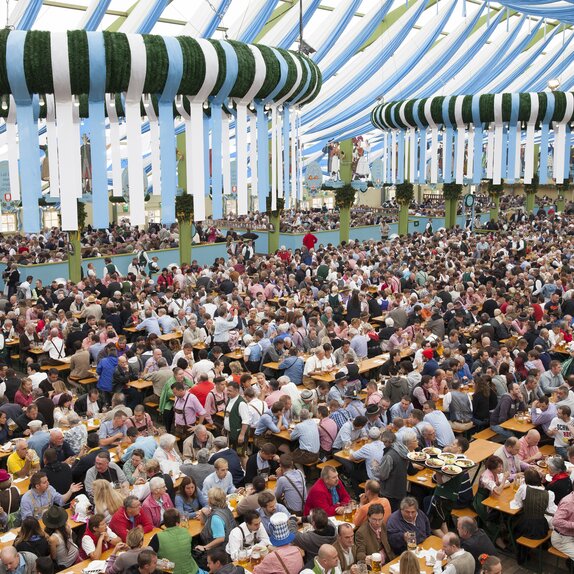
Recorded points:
(293,366)
(270,422)
(307,432)
(112,432)
(146,443)
(41,496)
(268,506)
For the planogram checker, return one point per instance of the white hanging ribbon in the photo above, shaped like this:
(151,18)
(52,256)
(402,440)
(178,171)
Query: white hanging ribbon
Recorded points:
(560,133)
(299,158)
(133,128)
(69,158)
(253,153)
(154,143)
(279,153)
(529,159)
(413,156)
(499,140)
(226,155)
(13,151)
(469,153)
(490,153)
(394,156)
(461,140)
(115,145)
(518,163)
(52,142)
(294,159)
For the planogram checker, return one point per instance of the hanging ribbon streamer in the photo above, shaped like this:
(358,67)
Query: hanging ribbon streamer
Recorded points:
(241,139)
(447,143)
(115,145)
(434,142)
(490,153)
(196,157)
(279,152)
(499,146)
(529,158)
(154,143)
(232,68)
(460,140)
(400,157)
(478,140)
(413,148)
(567,152)
(274,157)
(420,170)
(13,151)
(31,187)
(253,153)
(470,153)
(286,159)
(97,127)
(294,172)
(52,145)
(262,156)
(544,137)
(560,138)
(513,128)
(225,154)
(299,158)
(133,128)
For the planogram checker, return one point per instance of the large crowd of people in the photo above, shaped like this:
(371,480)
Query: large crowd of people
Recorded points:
(182,417)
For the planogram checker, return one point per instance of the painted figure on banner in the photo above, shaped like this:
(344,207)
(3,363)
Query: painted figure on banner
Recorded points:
(333,151)
(361,152)
(86,155)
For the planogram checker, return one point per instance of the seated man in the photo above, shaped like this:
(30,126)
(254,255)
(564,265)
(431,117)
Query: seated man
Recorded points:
(128,517)
(529,451)
(474,539)
(41,496)
(268,506)
(106,470)
(21,461)
(221,478)
(407,519)
(247,534)
(371,537)
(263,462)
(327,493)
(323,533)
(113,432)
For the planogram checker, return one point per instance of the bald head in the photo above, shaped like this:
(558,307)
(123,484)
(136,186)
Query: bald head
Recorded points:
(10,558)
(532,437)
(328,557)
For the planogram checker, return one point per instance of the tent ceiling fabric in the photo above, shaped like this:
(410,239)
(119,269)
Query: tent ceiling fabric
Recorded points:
(389,41)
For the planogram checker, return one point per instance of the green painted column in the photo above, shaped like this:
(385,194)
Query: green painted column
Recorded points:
(75,257)
(273,236)
(450,208)
(185,227)
(344,224)
(346,177)
(495,210)
(184,241)
(530,200)
(404,219)
(560,203)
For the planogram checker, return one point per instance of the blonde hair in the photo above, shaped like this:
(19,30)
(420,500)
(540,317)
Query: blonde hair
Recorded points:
(409,563)
(106,499)
(235,367)
(59,387)
(216,497)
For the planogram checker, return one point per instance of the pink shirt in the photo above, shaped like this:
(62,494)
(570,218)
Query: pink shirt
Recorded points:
(564,517)
(271,399)
(327,433)
(526,451)
(291,556)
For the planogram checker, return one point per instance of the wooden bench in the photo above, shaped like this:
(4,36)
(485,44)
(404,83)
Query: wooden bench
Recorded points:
(363,485)
(62,367)
(151,403)
(333,463)
(87,381)
(485,434)
(559,554)
(534,544)
(463,512)
(548,450)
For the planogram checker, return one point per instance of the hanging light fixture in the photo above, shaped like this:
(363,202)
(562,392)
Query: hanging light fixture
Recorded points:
(554,84)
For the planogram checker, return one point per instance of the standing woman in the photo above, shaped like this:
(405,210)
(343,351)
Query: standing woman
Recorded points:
(353,307)
(483,401)
(62,548)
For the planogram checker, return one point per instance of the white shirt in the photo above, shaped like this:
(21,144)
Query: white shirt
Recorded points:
(564,432)
(88,545)
(55,348)
(520,495)
(449,568)
(36,379)
(256,408)
(241,537)
(94,408)
(448,398)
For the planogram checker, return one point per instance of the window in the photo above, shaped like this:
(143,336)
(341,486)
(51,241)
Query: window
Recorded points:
(153,215)
(8,222)
(51,218)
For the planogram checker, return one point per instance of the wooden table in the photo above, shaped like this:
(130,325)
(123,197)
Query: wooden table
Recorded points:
(502,504)
(365,366)
(433,542)
(141,384)
(171,336)
(236,355)
(515,425)
(36,351)
(356,445)
(480,449)
(423,478)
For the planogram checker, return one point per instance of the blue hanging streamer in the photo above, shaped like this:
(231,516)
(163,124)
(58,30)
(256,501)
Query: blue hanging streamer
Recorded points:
(512,135)
(422,153)
(447,143)
(29,16)
(232,68)
(30,176)
(401,158)
(544,137)
(167,148)
(478,139)
(567,152)
(97,127)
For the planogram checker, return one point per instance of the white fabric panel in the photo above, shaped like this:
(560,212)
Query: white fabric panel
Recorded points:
(13,151)
(116,153)
(155,145)
(530,133)
(52,141)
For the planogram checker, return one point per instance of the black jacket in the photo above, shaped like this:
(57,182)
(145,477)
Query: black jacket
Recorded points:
(479,544)
(60,476)
(251,468)
(81,405)
(84,464)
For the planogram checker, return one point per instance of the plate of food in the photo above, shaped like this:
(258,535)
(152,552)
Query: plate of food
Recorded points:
(432,450)
(542,463)
(434,462)
(418,456)
(451,469)
(449,458)
(464,462)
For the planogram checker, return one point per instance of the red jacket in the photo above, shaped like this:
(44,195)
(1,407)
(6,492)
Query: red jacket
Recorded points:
(121,524)
(320,497)
(309,240)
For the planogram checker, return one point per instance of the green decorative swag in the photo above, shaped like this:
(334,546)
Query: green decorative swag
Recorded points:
(404,193)
(345,196)
(452,191)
